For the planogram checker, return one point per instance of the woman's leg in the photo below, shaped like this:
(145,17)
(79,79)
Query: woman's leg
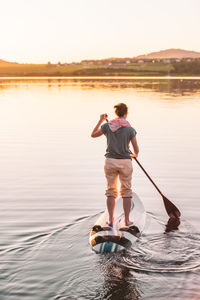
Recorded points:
(111,192)
(127,208)
(125,176)
(110,207)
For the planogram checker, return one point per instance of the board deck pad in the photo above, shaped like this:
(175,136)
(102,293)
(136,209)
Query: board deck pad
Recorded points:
(106,239)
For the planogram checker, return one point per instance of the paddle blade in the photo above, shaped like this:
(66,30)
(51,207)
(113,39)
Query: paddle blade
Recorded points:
(172,224)
(171,209)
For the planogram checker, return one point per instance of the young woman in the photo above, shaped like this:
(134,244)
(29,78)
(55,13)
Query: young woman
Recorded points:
(119,134)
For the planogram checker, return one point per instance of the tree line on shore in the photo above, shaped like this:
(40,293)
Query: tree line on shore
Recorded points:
(152,68)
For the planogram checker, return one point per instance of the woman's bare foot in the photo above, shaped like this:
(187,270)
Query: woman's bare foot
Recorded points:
(109,223)
(128,223)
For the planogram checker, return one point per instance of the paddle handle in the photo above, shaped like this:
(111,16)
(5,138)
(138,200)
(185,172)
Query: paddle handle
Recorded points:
(148,176)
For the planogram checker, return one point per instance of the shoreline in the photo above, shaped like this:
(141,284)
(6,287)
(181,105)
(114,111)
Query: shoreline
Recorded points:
(4,78)
(145,69)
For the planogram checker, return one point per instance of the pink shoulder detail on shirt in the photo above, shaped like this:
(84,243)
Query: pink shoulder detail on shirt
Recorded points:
(117,123)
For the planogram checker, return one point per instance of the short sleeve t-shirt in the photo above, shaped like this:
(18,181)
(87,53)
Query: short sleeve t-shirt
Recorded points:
(118,141)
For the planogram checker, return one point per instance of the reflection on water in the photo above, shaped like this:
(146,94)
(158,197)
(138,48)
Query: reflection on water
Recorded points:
(52,188)
(119,282)
(175,86)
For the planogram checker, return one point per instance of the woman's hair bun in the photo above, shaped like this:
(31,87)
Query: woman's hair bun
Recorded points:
(121,109)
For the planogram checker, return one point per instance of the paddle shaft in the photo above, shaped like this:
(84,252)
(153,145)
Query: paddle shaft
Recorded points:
(171,209)
(148,176)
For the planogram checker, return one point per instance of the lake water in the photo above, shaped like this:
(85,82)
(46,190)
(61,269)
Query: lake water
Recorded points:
(52,188)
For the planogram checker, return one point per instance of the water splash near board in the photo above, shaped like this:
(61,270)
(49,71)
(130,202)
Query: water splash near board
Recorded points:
(106,239)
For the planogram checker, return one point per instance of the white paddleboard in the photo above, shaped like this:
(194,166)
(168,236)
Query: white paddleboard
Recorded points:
(105,239)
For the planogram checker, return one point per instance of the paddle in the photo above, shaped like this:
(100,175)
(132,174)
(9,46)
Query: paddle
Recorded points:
(171,209)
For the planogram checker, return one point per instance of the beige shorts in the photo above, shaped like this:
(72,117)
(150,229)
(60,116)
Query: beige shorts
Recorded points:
(122,168)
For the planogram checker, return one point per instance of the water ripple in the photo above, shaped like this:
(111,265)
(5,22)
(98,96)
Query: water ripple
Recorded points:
(172,253)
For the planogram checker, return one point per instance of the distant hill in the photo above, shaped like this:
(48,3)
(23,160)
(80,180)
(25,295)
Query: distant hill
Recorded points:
(6,62)
(170,53)
(163,54)
(171,62)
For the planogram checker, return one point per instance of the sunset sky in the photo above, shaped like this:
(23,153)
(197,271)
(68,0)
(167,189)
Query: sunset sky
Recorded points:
(38,31)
